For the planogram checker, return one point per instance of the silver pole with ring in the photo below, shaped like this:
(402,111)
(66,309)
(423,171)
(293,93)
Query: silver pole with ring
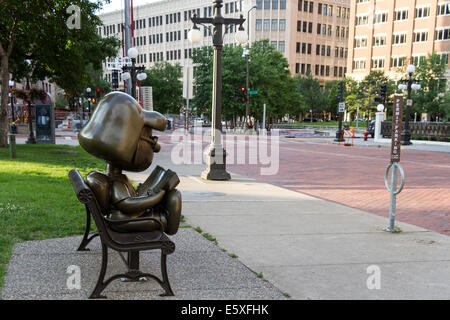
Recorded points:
(392,188)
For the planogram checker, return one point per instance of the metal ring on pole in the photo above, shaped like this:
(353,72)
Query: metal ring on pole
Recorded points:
(395,166)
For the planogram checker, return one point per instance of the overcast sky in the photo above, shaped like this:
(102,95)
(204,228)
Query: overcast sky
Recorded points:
(118,4)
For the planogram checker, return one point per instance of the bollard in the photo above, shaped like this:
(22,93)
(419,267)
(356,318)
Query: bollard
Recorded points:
(392,189)
(12,146)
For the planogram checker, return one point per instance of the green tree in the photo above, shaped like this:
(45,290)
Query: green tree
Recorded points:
(37,30)
(202,58)
(430,98)
(364,93)
(269,75)
(312,95)
(164,78)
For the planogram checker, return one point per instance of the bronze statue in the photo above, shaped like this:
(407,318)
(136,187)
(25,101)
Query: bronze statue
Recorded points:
(120,132)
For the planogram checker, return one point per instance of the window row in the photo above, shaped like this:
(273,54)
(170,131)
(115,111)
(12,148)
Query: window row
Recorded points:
(273,24)
(280,46)
(232,7)
(270,4)
(320,70)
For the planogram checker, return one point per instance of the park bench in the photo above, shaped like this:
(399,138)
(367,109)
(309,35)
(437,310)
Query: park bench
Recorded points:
(122,242)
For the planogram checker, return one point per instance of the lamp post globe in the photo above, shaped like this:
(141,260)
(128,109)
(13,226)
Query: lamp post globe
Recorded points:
(88,90)
(380,107)
(241,37)
(132,53)
(411,68)
(141,76)
(194,35)
(125,76)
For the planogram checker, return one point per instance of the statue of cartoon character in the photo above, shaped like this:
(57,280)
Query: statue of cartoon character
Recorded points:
(120,132)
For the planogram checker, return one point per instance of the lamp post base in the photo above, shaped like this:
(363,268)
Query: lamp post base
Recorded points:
(339,137)
(216,164)
(406,139)
(31,140)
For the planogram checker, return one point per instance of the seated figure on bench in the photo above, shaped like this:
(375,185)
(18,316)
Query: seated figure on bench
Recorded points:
(120,132)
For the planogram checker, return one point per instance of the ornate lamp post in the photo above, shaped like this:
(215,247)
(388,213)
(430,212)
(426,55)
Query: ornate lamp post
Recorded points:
(141,77)
(11,84)
(31,138)
(131,72)
(88,91)
(409,84)
(247,58)
(216,154)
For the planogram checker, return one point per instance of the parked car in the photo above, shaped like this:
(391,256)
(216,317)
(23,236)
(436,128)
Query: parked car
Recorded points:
(371,128)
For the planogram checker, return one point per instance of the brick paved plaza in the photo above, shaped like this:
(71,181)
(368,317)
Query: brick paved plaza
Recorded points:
(354,176)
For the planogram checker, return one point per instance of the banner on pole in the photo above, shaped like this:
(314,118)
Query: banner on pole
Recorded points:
(397,128)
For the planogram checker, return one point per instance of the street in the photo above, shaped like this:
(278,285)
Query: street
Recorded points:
(354,176)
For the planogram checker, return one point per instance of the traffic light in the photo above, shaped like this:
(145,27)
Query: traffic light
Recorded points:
(383,93)
(94,100)
(98,92)
(115,79)
(243,94)
(340,96)
(240,94)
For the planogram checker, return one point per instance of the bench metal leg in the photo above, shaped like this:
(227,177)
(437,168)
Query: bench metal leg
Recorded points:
(132,275)
(86,238)
(100,286)
(165,284)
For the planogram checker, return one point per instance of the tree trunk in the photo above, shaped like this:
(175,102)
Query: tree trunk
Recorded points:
(4,102)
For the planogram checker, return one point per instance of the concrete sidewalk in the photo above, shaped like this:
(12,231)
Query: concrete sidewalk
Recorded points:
(311,248)
(305,247)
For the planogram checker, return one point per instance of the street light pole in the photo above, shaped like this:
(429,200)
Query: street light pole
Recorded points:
(247,106)
(11,84)
(31,139)
(216,154)
(132,70)
(411,84)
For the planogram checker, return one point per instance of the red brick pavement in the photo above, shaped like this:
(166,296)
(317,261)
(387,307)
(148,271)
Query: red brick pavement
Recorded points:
(354,176)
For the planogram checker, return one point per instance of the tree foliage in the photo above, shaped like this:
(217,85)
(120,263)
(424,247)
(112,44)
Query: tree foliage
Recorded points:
(430,98)
(269,75)
(164,78)
(37,30)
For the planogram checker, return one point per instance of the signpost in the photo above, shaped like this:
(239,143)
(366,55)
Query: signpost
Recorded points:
(395,162)
(341,107)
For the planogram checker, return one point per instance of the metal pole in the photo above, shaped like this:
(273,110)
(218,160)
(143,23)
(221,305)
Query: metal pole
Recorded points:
(264,117)
(12,107)
(406,135)
(247,106)
(187,101)
(127,24)
(31,139)
(133,78)
(216,154)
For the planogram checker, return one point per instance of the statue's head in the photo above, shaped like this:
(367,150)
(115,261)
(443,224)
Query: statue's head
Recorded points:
(120,132)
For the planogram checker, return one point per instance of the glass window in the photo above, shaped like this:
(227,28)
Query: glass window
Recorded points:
(266,4)
(274,4)
(282,4)
(273,43)
(259,4)
(258,24)
(274,24)
(281,46)
(266,24)
(282,24)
